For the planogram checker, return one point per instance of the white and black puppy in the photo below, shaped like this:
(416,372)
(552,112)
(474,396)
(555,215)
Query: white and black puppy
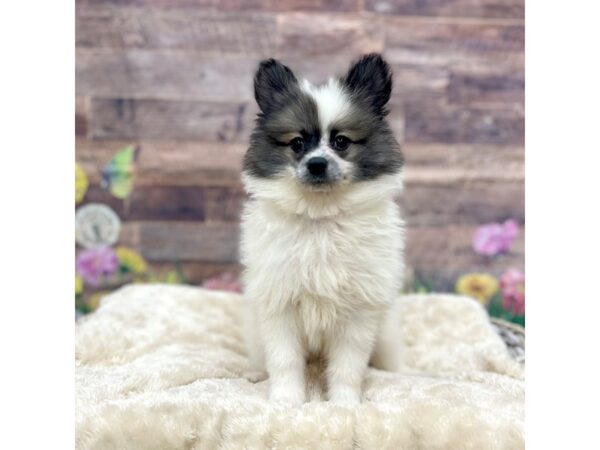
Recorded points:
(322,237)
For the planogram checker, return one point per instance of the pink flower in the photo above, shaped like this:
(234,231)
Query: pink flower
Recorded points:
(96,262)
(224,282)
(494,238)
(512,285)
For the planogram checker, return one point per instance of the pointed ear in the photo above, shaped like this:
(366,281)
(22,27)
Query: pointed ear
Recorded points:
(272,82)
(370,78)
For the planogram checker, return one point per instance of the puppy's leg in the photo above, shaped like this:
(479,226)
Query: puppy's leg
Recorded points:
(348,355)
(284,358)
(388,351)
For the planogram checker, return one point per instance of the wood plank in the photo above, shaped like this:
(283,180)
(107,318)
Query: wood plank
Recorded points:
(211,204)
(462,201)
(485,89)
(236,5)
(302,34)
(182,203)
(163,74)
(168,162)
(424,202)
(430,123)
(224,203)
(504,9)
(454,44)
(119,118)
(464,161)
(205,32)
(184,241)
(81,115)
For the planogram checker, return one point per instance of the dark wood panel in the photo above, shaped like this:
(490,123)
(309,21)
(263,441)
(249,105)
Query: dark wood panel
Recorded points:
(184,241)
(81,115)
(118,118)
(163,74)
(204,32)
(327,34)
(224,203)
(510,9)
(430,123)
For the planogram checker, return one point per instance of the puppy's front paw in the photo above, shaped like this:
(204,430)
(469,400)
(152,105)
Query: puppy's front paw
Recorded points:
(289,395)
(344,396)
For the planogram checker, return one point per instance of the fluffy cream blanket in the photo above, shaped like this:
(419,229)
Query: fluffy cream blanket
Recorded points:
(164,367)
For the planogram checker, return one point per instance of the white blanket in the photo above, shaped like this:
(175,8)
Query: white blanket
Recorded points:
(164,367)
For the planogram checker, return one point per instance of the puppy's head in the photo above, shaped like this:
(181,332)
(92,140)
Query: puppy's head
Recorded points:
(323,137)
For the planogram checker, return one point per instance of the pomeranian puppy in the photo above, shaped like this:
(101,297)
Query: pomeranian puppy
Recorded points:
(322,238)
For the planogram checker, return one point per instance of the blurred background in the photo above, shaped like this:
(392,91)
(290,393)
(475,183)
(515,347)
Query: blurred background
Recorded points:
(164,109)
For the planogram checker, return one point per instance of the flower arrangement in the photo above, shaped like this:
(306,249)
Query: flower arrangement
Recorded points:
(100,265)
(504,297)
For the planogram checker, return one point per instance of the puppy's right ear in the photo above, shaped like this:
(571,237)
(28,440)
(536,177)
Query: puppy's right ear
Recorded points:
(272,82)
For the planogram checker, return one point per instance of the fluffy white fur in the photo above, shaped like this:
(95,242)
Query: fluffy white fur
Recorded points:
(322,270)
(333,103)
(164,367)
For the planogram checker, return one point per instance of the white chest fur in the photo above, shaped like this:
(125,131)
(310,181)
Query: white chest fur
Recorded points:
(324,269)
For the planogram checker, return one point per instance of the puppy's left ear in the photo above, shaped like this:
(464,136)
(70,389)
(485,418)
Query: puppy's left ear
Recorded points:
(370,78)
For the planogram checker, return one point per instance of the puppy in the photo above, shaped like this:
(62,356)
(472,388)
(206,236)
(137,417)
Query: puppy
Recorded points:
(322,237)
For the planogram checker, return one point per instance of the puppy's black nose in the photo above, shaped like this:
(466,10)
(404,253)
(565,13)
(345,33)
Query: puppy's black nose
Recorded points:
(317,165)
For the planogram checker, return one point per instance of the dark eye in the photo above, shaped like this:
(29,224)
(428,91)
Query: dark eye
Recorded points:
(297,144)
(341,142)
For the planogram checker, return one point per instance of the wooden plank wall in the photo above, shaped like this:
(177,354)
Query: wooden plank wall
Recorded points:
(174,76)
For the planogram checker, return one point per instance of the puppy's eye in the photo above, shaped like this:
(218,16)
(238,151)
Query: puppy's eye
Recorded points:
(297,144)
(341,142)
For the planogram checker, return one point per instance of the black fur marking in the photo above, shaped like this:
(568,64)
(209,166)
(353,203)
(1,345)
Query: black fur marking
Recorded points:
(284,108)
(369,81)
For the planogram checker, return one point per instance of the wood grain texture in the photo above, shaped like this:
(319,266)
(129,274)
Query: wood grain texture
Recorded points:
(505,9)
(184,241)
(175,78)
(163,74)
(118,118)
(205,32)
(454,44)
(169,163)
(237,5)
(81,115)
(430,123)
(328,34)
(486,89)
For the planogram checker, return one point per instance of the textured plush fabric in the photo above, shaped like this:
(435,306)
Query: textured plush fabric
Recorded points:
(165,367)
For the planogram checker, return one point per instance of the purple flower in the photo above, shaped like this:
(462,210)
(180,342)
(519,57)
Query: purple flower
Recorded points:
(96,262)
(494,238)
